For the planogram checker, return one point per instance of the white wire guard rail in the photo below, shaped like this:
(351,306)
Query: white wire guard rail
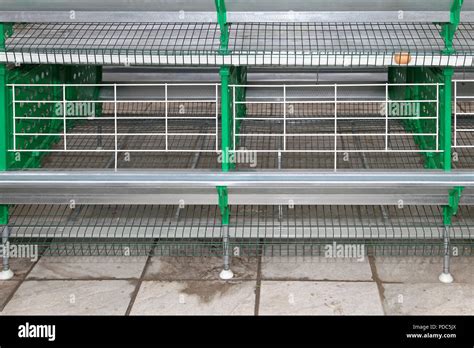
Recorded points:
(331,107)
(167,110)
(463,128)
(306,119)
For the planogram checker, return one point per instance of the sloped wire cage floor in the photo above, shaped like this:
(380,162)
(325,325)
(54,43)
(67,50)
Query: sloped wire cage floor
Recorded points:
(262,44)
(122,230)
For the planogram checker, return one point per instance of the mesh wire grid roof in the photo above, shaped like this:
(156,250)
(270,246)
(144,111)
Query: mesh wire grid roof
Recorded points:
(260,44)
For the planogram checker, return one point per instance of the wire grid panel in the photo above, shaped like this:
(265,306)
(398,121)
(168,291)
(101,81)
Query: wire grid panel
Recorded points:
(260,44)
(319,119)
(341,44)
(113,43)
(463,128)
(167,123)
(196,230)
(463,41)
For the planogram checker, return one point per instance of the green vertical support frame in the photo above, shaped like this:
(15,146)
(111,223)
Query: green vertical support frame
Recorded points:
(445,119)
(226,135)
(223,26)
(226,138)
(453,205)
(448,31)
(4,123)
(225,142)
(228,75)
(226,118)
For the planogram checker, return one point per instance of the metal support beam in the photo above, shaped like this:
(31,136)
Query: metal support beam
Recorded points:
(274,188)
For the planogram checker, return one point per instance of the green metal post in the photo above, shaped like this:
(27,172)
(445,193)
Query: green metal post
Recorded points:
(225,141)
(449,29)
(226,118)
(453,205)
(223,25)
(445,119)
(226,135)
(448,32)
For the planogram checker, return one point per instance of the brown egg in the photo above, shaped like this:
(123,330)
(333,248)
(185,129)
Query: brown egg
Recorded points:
(402,58)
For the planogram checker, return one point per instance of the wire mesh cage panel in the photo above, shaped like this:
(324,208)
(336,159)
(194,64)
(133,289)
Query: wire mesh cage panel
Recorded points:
(120,132)
(272,230)
(337,44)
(251,44)
(463,124)
(333,126)
(114,43)
(327,126)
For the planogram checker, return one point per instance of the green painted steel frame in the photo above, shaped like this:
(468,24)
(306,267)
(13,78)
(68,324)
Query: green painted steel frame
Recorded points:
(229,75)
(444,76)
(448,32)
(237,75)
(449,29)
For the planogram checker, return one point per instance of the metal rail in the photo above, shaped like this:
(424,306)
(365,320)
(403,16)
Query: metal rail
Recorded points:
(273,188)
(204,10)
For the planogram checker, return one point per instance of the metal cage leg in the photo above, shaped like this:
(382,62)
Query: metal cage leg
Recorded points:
(6,272)
(226,273)
(445,276)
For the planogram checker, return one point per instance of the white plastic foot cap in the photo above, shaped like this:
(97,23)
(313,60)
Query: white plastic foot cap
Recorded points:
(446,278)
(226,274)
(6,275)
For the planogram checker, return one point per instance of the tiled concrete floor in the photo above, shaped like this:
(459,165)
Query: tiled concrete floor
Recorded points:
(263,286)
